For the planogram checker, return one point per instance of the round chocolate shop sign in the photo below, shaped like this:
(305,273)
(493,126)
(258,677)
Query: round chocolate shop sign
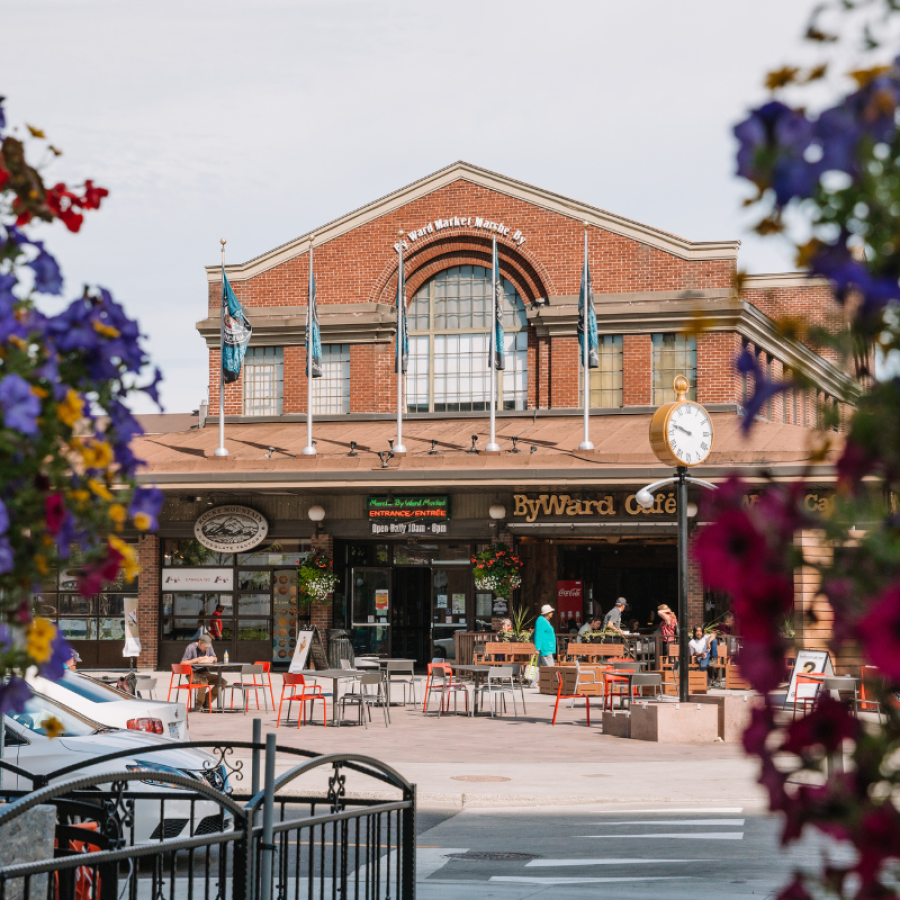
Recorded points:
(231,529)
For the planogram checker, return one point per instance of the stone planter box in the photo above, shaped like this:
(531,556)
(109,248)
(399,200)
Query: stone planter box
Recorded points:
(675,723)
(28,838)
(617,724)
(733,713)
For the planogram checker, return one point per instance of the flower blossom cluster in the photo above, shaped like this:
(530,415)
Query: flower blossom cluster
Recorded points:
(67,470)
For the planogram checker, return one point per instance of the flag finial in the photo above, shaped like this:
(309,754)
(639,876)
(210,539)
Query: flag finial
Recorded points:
(223,242)
(400,233)
(585,223)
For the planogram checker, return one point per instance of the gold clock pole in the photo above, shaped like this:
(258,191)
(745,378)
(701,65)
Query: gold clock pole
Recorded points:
(681,435)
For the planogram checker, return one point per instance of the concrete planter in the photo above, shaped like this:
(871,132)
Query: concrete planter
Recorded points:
(28,838)
(675,723)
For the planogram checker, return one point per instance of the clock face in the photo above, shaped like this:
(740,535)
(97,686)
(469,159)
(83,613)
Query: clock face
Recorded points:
(689,433)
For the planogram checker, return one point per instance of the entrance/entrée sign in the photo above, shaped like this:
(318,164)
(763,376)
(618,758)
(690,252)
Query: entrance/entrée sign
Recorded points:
(197,580)
(408,515)
(231,529)
(808,662)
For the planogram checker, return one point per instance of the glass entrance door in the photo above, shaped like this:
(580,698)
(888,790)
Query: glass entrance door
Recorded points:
(411,615)
(449,609)
(371,610)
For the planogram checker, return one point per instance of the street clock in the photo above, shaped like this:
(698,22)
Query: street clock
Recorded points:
(681,433)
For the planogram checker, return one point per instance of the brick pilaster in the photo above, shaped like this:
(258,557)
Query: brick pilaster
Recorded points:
(148,600)
(637,370)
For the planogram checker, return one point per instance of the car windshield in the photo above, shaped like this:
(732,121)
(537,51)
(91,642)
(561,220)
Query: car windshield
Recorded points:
(91,690)
(39,709)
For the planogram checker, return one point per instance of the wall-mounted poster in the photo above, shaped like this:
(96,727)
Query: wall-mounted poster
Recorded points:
(483,605)
(132,632)
(501,607)
(441,602)
(381,601)
(301,651)
(459,604)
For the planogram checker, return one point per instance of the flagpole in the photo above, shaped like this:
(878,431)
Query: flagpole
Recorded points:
(220,450)
(493,446)
(310,448)
(401,290)
(586,342)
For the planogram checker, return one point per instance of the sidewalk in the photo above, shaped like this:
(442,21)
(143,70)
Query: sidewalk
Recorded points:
(460,761)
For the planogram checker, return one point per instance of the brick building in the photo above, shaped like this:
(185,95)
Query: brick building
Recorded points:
(571,513)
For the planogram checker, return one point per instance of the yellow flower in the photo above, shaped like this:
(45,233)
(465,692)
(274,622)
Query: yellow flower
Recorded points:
(96,454)
(100,489)
(142,521)
(52,727)
(41,563)
(15,339)
(118,514)
(40,637)
(69,411)
(129,559)
(106,330)
(39,391)
(81,496)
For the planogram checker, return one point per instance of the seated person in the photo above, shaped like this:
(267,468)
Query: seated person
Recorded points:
(594,624)
(704,648)
(199,652)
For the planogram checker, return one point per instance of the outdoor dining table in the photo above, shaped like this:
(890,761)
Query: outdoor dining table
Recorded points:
(479,673)
(217,669)
(336,676)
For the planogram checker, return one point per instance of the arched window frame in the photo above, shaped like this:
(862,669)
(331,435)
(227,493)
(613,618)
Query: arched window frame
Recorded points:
(434,353)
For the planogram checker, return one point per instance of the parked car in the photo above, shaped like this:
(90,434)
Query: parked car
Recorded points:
(110,706)
(28,747)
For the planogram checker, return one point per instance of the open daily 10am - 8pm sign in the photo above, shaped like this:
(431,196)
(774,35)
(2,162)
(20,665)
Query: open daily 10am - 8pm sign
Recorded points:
(420,514)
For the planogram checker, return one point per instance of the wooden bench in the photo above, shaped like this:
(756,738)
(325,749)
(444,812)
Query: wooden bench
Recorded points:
(504,653)
(547,683)
(591,652)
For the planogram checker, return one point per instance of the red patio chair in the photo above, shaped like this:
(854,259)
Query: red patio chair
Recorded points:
(447,687)
(182,669)
(308,693)
(581,679)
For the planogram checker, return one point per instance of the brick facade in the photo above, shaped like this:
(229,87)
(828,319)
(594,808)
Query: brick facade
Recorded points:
(148,600)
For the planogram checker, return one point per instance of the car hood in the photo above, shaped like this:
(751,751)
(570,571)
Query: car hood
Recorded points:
(146,746)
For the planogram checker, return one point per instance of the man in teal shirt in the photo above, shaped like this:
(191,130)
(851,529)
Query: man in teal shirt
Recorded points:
(544,636)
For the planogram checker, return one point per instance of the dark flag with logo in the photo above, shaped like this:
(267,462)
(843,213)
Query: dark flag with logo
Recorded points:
(401,361)
(586,299)
(313,335)
(499,355)
(237,333)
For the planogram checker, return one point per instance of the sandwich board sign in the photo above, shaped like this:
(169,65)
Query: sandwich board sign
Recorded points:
(808,662)
(309,646)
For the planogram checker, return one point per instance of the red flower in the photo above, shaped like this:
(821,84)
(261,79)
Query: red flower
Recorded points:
(729,551)
(54,512)
(879,631)
(827,726)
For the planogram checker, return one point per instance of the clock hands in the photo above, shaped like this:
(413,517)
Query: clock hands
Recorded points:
(688,433)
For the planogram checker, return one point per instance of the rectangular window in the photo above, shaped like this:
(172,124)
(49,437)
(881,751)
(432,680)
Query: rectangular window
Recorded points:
(461,375)
(673,355)
(263,381)
(417,375)
(514,377)
(606,381)
(331,392)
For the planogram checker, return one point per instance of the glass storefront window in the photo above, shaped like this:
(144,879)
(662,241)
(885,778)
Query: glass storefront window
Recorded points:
(446,554)
(254,605)
(112,629)
(189,552)
(371,595)
(371,640)
(73,605)
(112,605)
(253,630)
(78,629)
(253,580)
(276,553)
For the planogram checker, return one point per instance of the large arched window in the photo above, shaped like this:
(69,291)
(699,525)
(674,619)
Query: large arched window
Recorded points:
(449,327)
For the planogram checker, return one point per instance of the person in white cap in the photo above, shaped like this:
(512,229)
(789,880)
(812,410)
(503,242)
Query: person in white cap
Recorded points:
(544,636)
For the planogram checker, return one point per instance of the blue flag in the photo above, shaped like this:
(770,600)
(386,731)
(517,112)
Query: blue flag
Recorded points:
(401,357)
(313,335)
(237,333)
(499,355)
(586,297)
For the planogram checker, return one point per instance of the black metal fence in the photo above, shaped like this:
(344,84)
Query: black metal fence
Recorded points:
(150,834)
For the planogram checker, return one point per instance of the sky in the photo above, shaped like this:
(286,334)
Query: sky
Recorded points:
(259,121)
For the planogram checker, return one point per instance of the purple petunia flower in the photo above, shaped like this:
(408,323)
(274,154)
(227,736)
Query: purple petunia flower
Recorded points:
(14,695)
(147,502)
(7,559)
(48,278)
(4,518)
(55,667)
(19,403)
(6,638)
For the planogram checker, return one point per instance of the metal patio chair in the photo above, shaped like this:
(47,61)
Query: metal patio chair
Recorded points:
(246,687)
(405,678)
(366,700)
(500,683)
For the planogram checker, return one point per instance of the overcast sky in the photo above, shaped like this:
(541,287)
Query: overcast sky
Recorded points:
(259,120)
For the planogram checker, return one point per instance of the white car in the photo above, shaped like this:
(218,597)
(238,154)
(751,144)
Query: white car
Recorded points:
(28,747)
(110,706)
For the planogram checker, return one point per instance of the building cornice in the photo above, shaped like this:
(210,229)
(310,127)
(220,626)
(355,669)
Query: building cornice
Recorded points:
(520,190)
(783,280)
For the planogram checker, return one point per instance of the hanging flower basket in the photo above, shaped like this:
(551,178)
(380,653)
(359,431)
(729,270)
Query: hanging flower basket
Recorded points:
(497,569)
(315,579)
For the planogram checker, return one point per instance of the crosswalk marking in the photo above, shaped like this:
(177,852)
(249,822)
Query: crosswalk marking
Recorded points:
(736,822)
(700,835)
(719,809)
(605,861)
(517,879)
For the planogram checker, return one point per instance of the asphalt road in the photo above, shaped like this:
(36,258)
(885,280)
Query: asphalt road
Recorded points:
(680,852)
